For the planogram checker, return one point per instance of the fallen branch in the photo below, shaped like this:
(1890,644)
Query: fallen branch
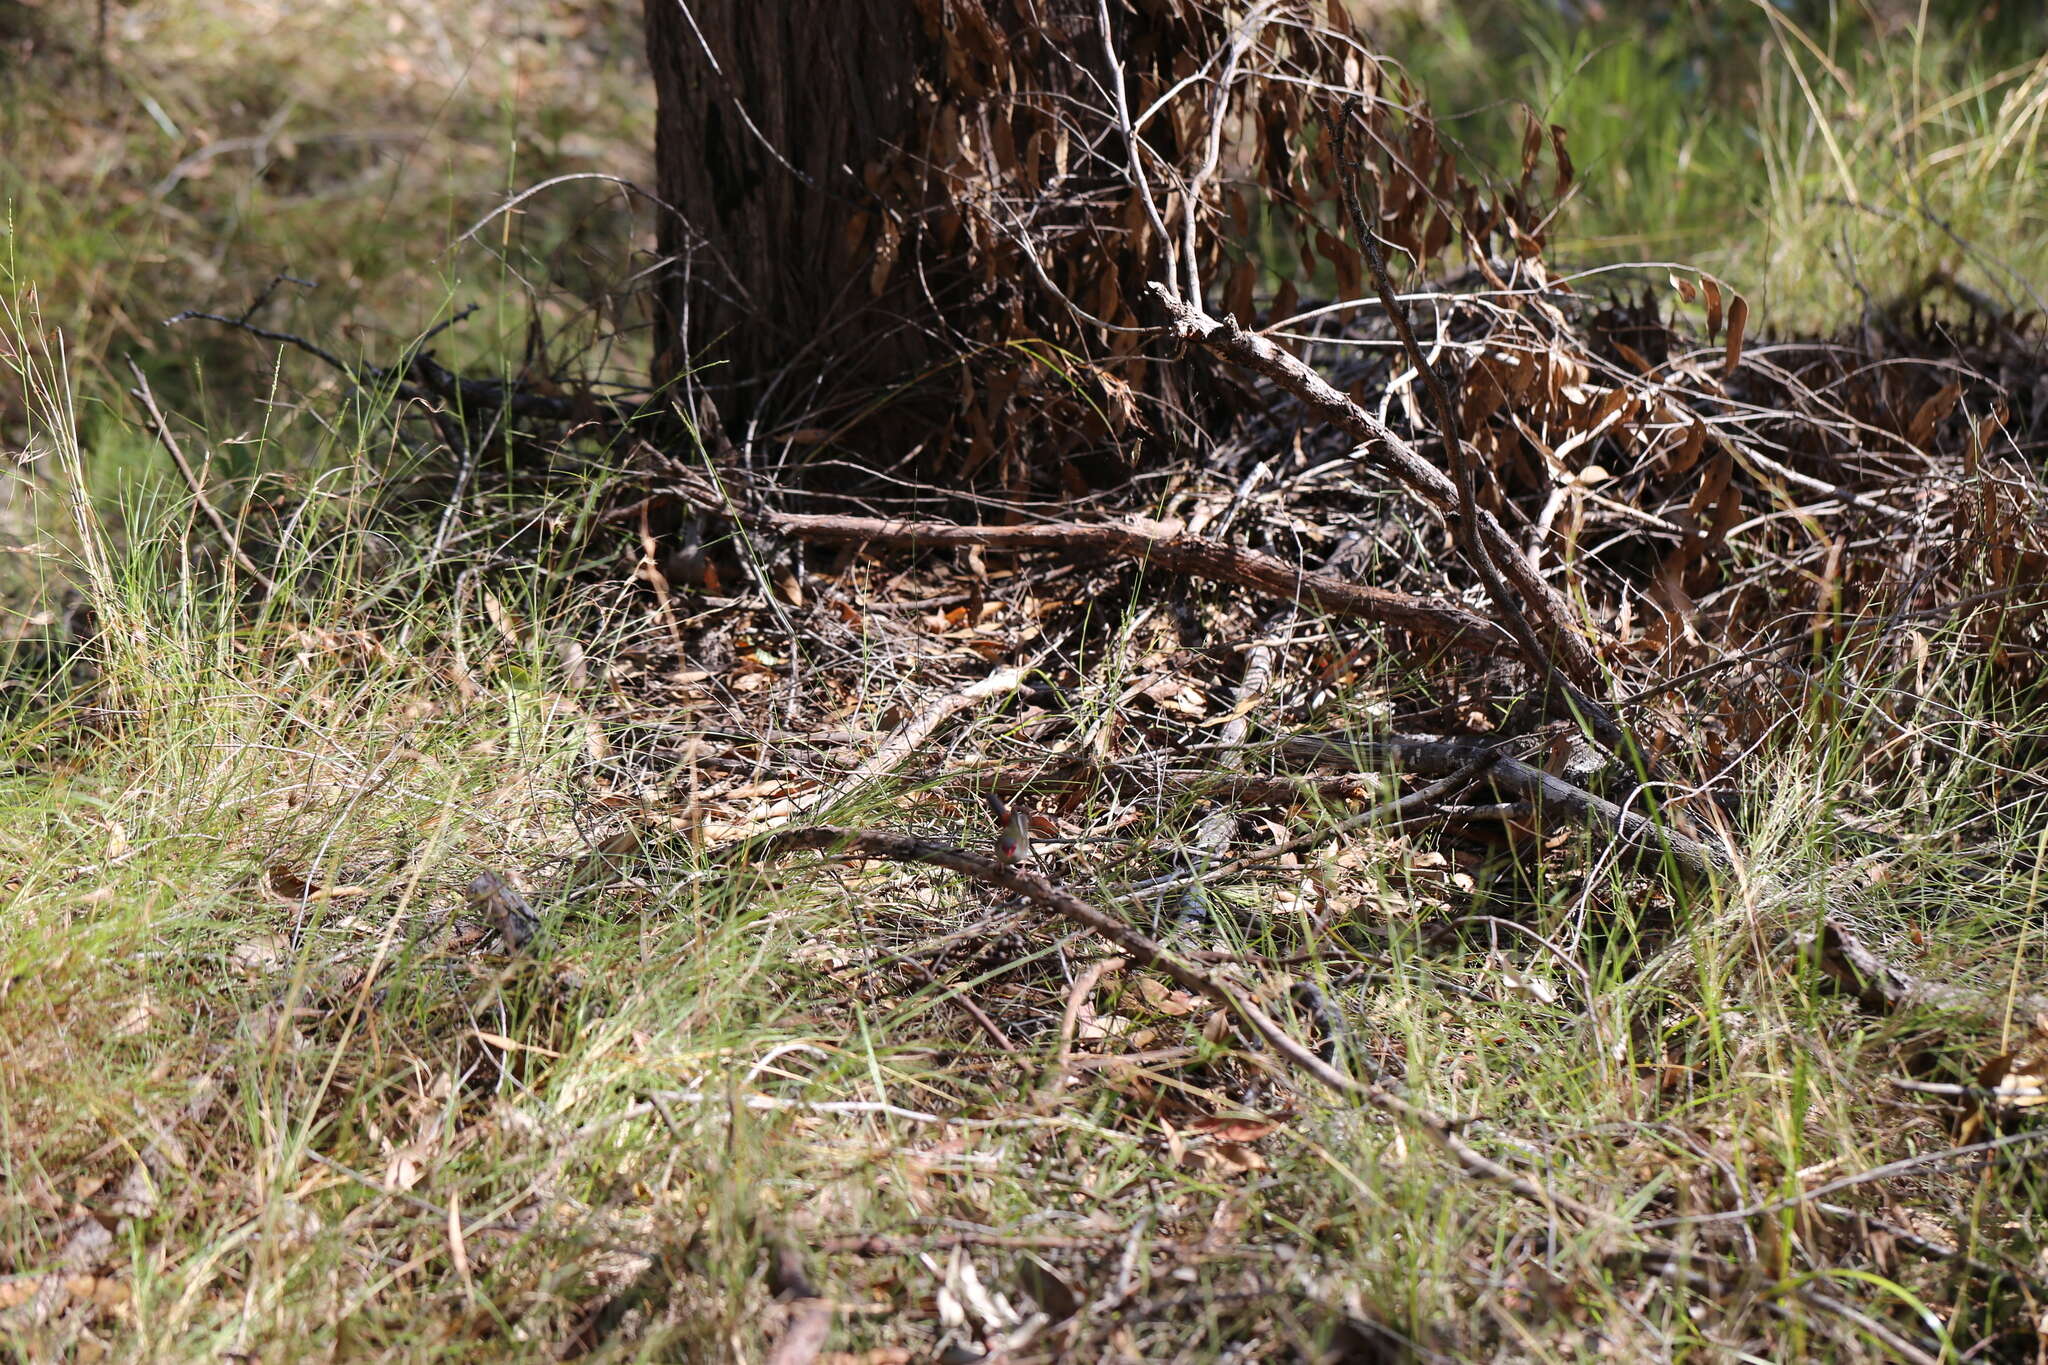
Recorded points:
(1139,948)
(1160,547)
(1851,966)
(1843,958)
(1250,351)
(1641,837)
(1401,806)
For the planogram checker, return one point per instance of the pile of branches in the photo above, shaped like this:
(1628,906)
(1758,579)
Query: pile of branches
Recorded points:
(1615,539)
(1622,513)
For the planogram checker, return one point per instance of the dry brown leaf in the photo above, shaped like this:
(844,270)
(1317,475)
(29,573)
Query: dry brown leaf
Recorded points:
(1528,987)
(500,1041)
(1738,318)
(1230,1158)
(1165,999)
(259,952)
(1921,430)
(407,1165)
(887,241)
(508,625)
(142,1011)
(2016,1080)
(1228,1128)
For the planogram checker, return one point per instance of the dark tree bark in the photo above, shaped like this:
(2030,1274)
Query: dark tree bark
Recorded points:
(773,117)
(927,225)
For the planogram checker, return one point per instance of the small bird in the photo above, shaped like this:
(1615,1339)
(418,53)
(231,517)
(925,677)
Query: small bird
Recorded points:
(1013,844)
(492,896)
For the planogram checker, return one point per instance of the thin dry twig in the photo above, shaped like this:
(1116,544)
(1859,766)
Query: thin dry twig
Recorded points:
(1465,523)
(1885,1172)
(1929,1248)
(1226,338)
(904,848)
(170,441)
(1415,801)
(1844,959)
(966,1002)
(1070,1020)
(1163,548)
(882,1244)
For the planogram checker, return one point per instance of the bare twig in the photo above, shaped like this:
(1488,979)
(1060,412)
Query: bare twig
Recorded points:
(913,732)
(1487,556)
(1160,547)
(1138,947)
(170,441)
(1640,836)
(1574,655)
(1413,801)
(966,1001)
(880,1244)
(1070,1021)
(1844,959)
(1929,1248)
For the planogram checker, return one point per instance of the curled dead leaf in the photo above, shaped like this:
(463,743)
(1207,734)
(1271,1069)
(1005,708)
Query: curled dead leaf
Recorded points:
(1738,318)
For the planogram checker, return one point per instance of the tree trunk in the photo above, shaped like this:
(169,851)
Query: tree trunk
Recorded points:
(773,116)
(922,230)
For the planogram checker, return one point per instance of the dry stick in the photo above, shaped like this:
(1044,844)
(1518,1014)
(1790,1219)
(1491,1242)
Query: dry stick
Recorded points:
(1227,339)
(904,740)
(1880,1332)
(1158,547)
(1313,838)
(1246,789)
(1429,755)
(903,848)
(1070,1021)
(966,1002)
(1464,526)
(880,1244)
(163,433)
(1929,1248)
(1844,958)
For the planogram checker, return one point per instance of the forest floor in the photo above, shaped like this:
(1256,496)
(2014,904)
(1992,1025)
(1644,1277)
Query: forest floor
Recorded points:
(275,1085)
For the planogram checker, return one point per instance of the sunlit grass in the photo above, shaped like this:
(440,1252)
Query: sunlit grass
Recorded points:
(1827,167)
